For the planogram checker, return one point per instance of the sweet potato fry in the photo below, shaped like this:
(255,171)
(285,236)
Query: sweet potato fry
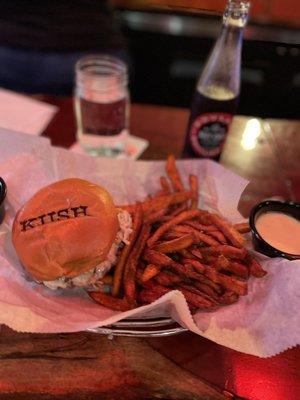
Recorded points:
(193,180)
(167,279)
(209,259)
(154,257)
(139,273)
(186,253)
(170,236)
(198,300)
(196,252)
(221,262)
(149,272)
(165,218)
(199,236)
(205,288)
(236,268)
(173,174)
(229,231)
(242,227)
(255,268)
(200,227)
(226,250)
(185,215)
(165,187)
(181,229)
(204,279)
(174,245)
(203,238)
(165,201)
(228,282)
(111,302)
(156,216)
(150,285)
(197,265)
(198,291)
(119,269)
(189,271)
(219,236)
(183,270)
(130,268)
(148,295)
(179,209)
(228,298)
(180,197)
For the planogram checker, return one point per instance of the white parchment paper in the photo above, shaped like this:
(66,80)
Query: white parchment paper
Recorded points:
(263,323)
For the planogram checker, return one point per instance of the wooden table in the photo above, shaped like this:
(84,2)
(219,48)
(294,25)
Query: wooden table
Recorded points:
(187,366)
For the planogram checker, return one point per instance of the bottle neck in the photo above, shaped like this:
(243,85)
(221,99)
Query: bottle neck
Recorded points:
(230,44)
(222,70)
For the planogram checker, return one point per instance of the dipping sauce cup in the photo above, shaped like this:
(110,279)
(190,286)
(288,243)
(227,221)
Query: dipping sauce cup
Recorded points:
(271,241)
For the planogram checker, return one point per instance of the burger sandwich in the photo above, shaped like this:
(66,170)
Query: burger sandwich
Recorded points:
(69,233)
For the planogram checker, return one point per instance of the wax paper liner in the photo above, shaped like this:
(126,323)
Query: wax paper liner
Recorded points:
(263,323)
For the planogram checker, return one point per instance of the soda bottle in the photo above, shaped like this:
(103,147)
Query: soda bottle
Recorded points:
(217,92)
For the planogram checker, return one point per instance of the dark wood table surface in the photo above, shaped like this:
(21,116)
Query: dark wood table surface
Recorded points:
(186,366)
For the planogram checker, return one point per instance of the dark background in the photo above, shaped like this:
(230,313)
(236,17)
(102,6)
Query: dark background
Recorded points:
(168,51)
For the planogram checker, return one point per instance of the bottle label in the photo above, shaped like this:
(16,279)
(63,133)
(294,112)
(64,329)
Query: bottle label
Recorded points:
(208,132)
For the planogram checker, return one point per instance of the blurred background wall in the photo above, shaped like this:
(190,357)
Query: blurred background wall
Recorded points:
(165,41)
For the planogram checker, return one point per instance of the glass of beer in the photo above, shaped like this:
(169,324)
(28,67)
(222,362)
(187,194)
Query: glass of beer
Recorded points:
(101,104)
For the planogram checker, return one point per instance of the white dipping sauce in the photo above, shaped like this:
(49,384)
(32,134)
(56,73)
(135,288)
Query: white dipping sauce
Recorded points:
(280,230)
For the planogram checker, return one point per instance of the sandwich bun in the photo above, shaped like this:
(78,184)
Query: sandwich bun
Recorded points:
(65,229)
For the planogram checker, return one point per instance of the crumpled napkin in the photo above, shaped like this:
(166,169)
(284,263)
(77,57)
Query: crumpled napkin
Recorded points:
(23,113)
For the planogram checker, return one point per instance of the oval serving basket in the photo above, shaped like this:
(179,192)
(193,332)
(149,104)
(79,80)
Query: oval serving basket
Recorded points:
(142,327)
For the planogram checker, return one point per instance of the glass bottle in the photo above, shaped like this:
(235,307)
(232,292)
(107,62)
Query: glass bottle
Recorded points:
(217,92)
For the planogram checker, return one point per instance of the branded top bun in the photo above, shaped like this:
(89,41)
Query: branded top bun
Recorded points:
(65,229)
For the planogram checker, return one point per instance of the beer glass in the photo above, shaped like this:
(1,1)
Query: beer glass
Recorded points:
(101,104)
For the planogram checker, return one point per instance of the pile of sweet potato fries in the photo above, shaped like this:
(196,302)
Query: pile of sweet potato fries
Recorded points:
(175,245)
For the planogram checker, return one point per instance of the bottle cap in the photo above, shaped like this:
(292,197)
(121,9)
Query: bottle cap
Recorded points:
(236,13)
